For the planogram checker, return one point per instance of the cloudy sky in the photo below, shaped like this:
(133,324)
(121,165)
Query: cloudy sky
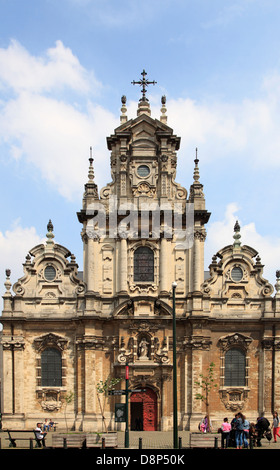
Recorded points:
(64,66)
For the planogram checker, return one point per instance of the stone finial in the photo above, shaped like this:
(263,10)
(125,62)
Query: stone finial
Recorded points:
(50,234)
(123,117)
(91,189)
(236,235)
(90,170)
(163,117)
(237,226)
(8,283)
(277,285)
(196,188)
(196,169)
(50,226)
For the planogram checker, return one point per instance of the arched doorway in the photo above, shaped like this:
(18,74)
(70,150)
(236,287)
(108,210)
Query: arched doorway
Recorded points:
(143,410)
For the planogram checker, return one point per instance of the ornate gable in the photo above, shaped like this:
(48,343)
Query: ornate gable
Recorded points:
(50,280)
(236,283)
(143,159)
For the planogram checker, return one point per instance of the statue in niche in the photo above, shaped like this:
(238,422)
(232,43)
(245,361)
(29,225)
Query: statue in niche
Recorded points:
(143,349)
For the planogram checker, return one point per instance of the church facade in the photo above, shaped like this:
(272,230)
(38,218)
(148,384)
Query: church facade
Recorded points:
(67,332)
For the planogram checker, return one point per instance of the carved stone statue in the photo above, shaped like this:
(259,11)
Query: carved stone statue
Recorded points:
(143,349)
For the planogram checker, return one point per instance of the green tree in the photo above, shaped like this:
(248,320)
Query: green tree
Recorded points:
(206,383)
(103,388)
(69,397)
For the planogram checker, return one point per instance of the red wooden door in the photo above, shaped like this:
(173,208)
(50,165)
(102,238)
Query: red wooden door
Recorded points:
(149,400)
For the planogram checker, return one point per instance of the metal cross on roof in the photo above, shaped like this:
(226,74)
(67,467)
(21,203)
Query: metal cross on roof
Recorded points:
(144,83)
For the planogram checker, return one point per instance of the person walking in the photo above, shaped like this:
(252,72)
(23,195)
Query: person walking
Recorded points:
(275,424)
(225,429)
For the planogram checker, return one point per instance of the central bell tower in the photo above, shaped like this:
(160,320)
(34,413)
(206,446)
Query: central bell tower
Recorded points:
(143,212)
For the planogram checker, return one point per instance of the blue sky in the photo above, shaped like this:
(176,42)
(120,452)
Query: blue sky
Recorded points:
(63,69)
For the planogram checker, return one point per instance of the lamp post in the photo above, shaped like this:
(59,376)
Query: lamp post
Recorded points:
(126,435)
(175,417)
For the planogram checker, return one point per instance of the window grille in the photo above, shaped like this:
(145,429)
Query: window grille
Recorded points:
(143,265)
(50,273)
(143,171)
(235,365)
(236,274)
(51,368)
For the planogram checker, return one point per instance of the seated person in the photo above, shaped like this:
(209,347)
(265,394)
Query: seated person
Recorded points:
(46,426)
(40,436)
(51,424)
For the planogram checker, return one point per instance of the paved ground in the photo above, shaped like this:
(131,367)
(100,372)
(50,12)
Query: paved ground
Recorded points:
(164,440)
(150,440)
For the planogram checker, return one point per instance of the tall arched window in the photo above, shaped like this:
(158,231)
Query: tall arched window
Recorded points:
(51,368)
(235,366)
(143,264)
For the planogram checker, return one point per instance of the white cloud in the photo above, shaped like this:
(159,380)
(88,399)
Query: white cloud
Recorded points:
(250,127)
(59,68)
(55,134)
(14,246)
(55,137)
(52,134)
(220,234)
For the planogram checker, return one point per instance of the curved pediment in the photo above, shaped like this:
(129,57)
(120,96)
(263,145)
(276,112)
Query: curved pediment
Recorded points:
(236,275)
(49,276)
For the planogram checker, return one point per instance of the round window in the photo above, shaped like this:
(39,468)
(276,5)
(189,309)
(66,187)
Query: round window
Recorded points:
(50,273)
(143,171)
(236,274)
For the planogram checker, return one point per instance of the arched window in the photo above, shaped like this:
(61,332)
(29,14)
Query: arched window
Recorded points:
(51,368)
(143,264)
(235,366)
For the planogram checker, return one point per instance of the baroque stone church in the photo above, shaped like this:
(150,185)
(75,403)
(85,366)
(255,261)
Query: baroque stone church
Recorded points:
(143,235)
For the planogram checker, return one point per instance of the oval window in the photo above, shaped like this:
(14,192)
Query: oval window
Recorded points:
(143,171)
(236,274)
(50,273)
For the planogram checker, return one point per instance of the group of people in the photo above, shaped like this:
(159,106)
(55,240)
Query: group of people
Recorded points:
(239,431)
(48,426)
(235,433)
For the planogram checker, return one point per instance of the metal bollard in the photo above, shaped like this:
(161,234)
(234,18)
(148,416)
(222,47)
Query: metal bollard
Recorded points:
(103,443)
(216,443)
(140,442)
(180,443)
(64,443)
(30,443)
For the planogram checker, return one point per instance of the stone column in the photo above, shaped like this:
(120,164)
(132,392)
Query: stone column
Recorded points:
(196,262)
(92,263)
(123,265)
(8,393)
(163,267)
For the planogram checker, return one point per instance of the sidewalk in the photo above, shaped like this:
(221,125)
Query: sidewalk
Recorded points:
(164,440)
(150,440)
